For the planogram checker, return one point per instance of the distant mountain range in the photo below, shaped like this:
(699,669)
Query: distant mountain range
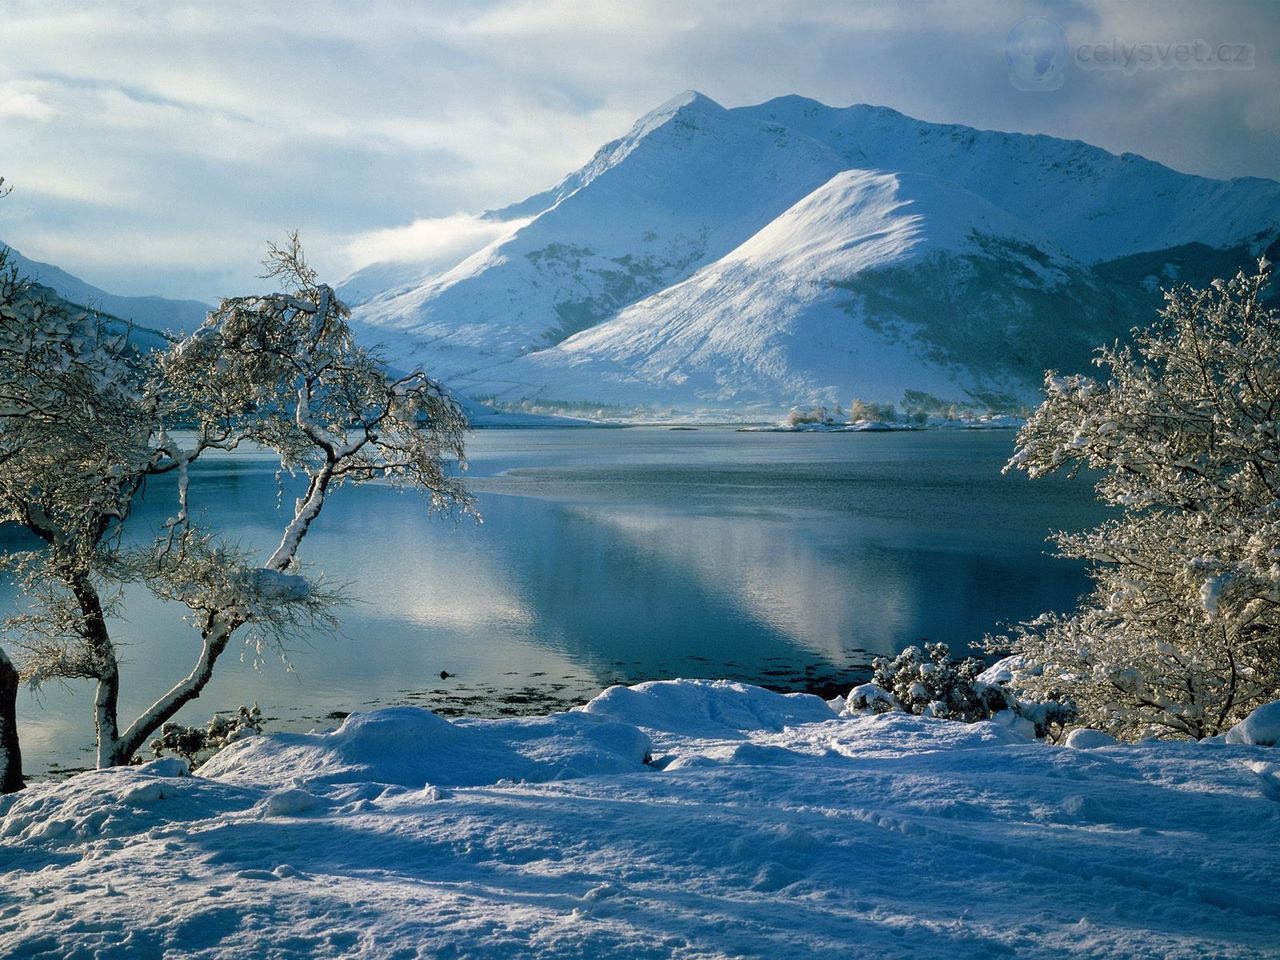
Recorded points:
(155,313)
(743,261)
(739,262)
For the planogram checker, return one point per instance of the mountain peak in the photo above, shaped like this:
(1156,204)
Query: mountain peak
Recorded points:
(793,101)
(691,103)
(689,106)
(793,252)
(794,105)
(689,98)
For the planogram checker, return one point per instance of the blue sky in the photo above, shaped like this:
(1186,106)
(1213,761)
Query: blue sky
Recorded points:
(154,146)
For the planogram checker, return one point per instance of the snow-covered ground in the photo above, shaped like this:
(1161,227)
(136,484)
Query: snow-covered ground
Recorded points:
(762,826)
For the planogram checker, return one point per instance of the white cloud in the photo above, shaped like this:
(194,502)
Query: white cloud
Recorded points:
(436,241)
(22,101)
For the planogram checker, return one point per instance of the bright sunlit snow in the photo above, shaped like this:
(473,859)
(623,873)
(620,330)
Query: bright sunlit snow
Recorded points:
(762,826)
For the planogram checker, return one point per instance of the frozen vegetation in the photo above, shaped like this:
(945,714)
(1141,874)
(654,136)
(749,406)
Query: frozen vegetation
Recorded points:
(683,818)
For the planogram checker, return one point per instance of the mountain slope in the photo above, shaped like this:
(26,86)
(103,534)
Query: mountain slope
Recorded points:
(871,284)
(755,258)
(1097,206)
(615,232)
(158,313)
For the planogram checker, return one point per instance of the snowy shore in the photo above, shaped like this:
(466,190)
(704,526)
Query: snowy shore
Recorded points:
(678,819)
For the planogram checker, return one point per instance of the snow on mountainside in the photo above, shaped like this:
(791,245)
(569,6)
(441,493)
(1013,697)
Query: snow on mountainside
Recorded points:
(810,298)
(157,313)
(620,229)
(1097,206)
(750,259)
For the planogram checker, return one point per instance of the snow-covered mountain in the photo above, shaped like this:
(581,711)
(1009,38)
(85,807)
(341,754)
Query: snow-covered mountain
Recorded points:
(156,313)
(752,259)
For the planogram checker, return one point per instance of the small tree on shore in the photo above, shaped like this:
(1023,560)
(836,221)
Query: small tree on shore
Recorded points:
(86,422)
(1181,634)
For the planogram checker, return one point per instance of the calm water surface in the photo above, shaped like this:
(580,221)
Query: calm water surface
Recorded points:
(616,555)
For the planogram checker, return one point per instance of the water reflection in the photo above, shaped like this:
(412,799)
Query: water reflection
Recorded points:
(616,555)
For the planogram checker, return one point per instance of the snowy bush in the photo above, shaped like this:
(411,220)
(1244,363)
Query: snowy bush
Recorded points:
(198,744)
(1181,634)
(860,410)
(1261,728)
(802,416)
(929,683)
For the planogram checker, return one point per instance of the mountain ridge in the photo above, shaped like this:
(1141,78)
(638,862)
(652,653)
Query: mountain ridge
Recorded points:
(661,276)
(158,314)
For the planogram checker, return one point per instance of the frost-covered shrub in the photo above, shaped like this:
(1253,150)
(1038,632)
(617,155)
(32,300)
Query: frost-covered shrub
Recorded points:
(1181,633)
(198,744)
(871,698)
(1261,728)
(929,683)
(802,416)
(1052,716)
(860,410)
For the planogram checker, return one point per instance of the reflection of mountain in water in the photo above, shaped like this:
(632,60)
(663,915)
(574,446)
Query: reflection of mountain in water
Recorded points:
(621,555)
(630,606)
(665,585)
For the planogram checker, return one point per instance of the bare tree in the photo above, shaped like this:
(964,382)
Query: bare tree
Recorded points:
(93,421)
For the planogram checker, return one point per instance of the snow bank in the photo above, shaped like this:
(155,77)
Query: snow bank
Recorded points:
(783,832)
(1084,739)
(1262,727)
(411,746)
(707,708)
(105,804)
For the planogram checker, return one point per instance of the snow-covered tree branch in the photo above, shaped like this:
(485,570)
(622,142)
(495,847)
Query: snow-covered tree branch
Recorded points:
(1181,635)
(85,421)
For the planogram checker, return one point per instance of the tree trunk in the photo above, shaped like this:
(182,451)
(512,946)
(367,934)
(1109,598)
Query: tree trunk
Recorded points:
(11,779)
(121,750)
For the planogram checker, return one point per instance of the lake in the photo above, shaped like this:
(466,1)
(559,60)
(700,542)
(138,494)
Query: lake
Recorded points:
(614,555)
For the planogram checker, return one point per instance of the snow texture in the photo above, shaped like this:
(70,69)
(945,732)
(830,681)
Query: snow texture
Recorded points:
(1262,727)
(767,827)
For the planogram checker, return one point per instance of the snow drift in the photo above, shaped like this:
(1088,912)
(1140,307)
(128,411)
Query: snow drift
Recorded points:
(768,827)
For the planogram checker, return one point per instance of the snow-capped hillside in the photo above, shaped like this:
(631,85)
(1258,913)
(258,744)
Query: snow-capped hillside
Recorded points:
(760,257)
(618,230)
(1097,206)
(807,309)
(156,313)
